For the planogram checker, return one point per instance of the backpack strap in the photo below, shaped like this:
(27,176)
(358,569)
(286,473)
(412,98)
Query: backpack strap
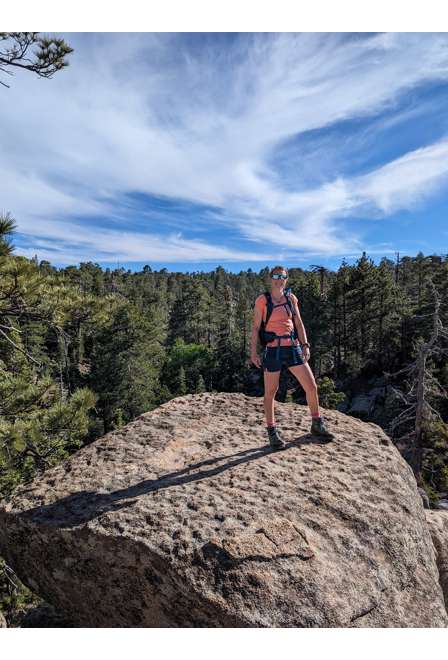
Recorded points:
(287,293)
(269,306)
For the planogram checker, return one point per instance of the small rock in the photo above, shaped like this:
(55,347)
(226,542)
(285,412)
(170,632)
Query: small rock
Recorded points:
(3,623)
(362,405)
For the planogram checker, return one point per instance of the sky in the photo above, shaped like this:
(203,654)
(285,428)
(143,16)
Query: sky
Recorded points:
(191,150)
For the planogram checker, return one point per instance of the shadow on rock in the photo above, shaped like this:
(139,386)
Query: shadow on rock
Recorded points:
(83,506)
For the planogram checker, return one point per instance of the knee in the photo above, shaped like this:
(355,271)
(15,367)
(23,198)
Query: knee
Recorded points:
(312,387)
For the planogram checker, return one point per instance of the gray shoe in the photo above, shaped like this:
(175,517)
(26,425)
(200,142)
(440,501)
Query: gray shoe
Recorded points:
(274,439)
(318,428)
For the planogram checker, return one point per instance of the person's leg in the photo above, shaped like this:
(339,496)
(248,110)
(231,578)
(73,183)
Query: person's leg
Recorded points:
(305,377)
(271,381)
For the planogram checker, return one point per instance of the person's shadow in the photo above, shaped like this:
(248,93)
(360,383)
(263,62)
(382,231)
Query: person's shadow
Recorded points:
(85,505)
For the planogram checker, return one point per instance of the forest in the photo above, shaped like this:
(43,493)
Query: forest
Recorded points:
(84,350)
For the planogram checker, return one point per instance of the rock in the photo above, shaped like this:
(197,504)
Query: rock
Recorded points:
(378,393)
(3,623)
(186,518)
(438,526)
(362,405)
(442,504)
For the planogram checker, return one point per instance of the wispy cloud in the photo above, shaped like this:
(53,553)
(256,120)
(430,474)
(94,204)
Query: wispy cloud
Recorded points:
(199,119)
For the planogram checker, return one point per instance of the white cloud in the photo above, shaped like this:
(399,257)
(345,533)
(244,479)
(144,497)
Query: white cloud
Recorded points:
(144,113)
(77,242)
(406,180)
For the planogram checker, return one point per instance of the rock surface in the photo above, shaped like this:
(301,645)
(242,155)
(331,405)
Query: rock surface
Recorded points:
(186,518)
(438,526)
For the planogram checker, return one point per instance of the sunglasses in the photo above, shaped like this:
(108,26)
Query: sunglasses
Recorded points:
(279,276)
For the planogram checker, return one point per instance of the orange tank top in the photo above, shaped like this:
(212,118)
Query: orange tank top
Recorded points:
(280,321)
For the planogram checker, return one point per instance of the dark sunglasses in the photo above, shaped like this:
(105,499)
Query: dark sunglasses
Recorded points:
(279,276)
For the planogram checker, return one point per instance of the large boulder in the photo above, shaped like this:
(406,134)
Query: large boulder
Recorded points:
(186,518)
(438,526)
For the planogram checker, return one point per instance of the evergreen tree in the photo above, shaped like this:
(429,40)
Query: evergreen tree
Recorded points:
(181,382)
(7,229)
(362,299)
(126,357)
(200,385)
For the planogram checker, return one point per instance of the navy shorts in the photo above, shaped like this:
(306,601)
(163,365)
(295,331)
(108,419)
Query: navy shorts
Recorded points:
(287,356)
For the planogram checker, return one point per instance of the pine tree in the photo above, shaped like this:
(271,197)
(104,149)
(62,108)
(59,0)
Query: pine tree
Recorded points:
(49,54)
(8,227)
(362,299)
(200,385)
(127,356)
(181,382)
(38,426)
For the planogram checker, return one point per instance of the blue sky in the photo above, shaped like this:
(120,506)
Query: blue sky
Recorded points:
(193,150)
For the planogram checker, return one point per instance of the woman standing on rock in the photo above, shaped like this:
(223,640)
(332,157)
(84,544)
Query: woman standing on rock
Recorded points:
(285,343)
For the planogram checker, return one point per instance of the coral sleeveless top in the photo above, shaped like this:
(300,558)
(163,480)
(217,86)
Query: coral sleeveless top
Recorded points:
(280,320)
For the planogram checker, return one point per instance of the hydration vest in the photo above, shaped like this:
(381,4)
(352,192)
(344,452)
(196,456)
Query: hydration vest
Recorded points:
(264,335)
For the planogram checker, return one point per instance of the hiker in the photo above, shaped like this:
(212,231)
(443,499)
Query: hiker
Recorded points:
(282,334)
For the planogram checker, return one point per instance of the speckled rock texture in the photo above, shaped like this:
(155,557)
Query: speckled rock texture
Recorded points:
(438,526)
(186,518)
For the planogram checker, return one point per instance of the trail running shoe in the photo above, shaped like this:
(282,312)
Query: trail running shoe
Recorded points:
(318,428)
(274,439)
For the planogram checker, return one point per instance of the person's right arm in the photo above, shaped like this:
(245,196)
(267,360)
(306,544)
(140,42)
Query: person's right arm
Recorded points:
(257,318)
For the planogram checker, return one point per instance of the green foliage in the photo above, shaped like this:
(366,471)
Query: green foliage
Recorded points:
(126,359)
(200,384)
(181,382)
(184,365)
(14,595)
(41,420)
(328,396)
(47,56)
(43,430)
(8,227)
